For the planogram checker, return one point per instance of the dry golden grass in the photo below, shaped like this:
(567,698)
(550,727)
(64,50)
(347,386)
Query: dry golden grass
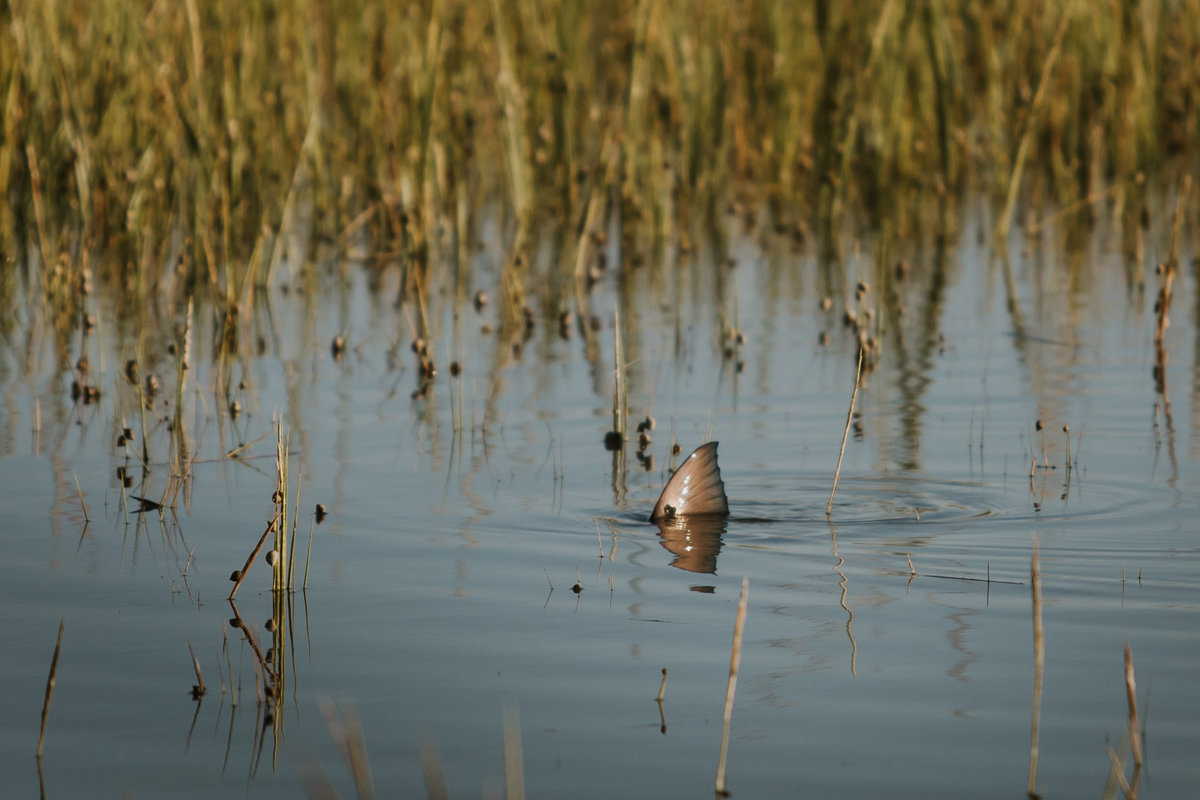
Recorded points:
(191,134)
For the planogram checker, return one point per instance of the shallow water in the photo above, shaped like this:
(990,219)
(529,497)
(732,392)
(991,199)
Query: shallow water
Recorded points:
(440,590)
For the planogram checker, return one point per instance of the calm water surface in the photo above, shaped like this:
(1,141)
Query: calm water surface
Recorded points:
(440,590)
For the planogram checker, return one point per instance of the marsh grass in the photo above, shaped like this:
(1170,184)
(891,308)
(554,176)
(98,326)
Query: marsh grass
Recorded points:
(188,155)
(202,137)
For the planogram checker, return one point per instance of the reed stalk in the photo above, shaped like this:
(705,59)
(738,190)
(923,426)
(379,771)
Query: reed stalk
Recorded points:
(1135,734)
(435,776)
(279,581)
(240,575)
(514,761)
(51,681)
(837,472)
(735,661)
(1039,669)
(1035,109)
(199,689)
(82,505)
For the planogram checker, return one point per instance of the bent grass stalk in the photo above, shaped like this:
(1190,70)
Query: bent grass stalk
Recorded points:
(82,505)
(845,433)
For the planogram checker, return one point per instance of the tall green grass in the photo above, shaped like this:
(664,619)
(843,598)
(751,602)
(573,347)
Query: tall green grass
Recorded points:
(191,134)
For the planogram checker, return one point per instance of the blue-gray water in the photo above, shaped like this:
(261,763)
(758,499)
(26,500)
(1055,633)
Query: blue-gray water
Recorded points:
(429,607)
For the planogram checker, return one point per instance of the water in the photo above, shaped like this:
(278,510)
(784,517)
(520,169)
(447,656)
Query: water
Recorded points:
(441,585)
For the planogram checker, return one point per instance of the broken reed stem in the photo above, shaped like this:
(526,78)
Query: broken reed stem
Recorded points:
(514,770)
(1039,667)
(846,433)
(1135,739)
(197,690)
(735,661)
(241,576)
(50,681)
(82,505)
(662,687)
